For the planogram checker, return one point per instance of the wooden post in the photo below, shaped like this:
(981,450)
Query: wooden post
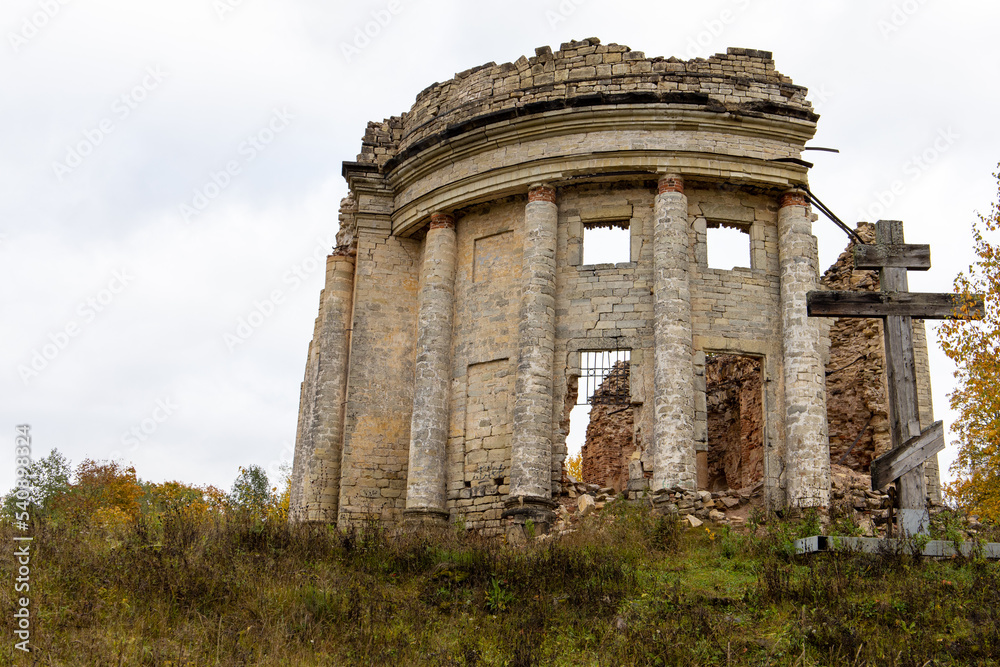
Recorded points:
(904,420)
(896,306)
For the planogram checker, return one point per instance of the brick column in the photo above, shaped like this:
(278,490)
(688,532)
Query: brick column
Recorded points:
(531,440)
(674,456)
(807,446)
(425,491)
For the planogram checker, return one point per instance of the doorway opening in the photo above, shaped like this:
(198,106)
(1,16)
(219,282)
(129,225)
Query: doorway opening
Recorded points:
(735,401)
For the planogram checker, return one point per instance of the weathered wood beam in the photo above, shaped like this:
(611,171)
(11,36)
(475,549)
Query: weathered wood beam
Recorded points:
(901,379)
(914,452)
(923,306)
(875,545)
(903,256)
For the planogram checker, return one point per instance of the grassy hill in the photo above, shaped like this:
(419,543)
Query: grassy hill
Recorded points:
(625,588)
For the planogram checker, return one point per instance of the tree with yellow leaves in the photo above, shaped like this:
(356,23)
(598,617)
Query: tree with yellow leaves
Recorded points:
(104,494)
(974,346)
(574,467)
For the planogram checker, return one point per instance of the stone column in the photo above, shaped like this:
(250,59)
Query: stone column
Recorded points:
(425,491)
(316,471)
(531,439)
(674,459)
(807,447)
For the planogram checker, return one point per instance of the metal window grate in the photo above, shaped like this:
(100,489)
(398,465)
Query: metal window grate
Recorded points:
(604,378)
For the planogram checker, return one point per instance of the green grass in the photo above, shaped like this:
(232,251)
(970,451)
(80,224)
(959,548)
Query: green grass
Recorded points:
(627,588)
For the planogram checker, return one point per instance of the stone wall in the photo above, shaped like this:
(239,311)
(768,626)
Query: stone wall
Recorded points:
(732,310)
(487,294)
(605,306)
(315,480)
(855,383)
(600,307)
(856,398)
(380,379)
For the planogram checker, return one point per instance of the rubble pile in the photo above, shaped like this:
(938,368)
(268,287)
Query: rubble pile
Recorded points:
(730,507)
(853,502)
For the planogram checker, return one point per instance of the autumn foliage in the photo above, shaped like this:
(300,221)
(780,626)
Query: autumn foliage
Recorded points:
(104,493)
(109,498)
(574,467)
(974,346)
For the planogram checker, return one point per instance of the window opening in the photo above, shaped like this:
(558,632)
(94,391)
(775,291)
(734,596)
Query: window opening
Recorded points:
(600,439)
(607,242)
(604,377)
(728,246)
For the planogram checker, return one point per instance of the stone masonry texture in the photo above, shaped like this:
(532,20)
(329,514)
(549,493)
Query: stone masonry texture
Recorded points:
(425,491)
(856,383)
(531,446)
(735,422)
(457,305)
(807,446)
(610,440)
(856,401)
(674,461)
(316,476)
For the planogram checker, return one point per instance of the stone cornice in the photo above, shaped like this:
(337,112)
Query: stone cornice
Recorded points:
(597,101)
(574,145)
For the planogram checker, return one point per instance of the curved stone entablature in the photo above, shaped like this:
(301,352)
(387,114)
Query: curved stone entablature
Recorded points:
(582,112)
(585,145)
(459,308)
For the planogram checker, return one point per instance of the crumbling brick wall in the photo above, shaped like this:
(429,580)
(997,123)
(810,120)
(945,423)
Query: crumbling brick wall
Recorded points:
(610,438)
(855,386)
(523,157)
(581,68)
(856,400)
(735,421)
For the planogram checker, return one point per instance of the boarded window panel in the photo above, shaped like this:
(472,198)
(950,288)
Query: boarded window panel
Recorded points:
(493,257)
(487,421)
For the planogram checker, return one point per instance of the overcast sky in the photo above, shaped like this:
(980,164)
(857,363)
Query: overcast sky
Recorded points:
(169,168)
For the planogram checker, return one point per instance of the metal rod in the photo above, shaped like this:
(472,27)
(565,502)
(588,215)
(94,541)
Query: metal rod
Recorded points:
(837,370)
(830,214)
(857,439)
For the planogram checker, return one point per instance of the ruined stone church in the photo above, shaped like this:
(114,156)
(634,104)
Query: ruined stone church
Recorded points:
(460,322)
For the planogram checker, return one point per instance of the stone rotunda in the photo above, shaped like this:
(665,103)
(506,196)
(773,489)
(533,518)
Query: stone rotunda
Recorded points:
(458,310)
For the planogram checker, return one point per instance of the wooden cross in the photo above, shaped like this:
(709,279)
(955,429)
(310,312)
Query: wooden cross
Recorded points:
(897,306)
